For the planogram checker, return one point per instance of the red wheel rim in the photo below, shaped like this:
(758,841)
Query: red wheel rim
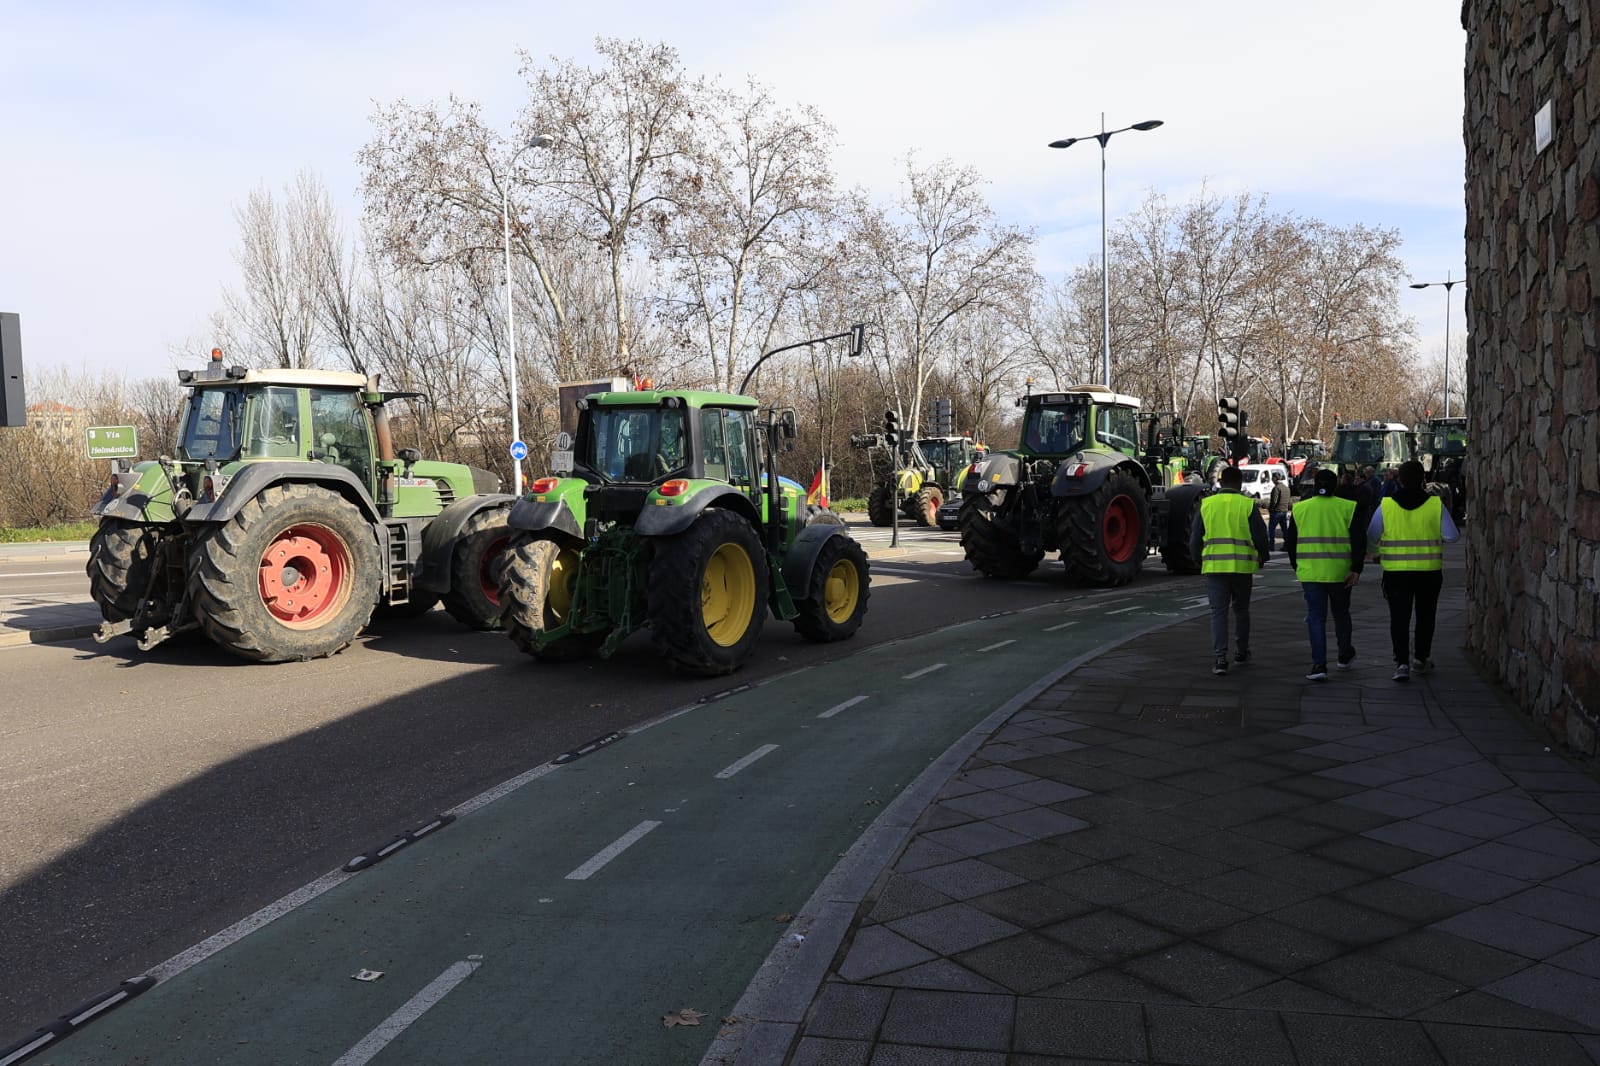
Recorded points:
(1119,529)
(489,569)
(305,576)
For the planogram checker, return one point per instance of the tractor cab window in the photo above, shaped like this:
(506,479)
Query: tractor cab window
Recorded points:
(637,443)
(737,431)
(211,420)
(1117,427)
(1054,430)
(934,451)
(340,431)
(272,425)
(1359,448)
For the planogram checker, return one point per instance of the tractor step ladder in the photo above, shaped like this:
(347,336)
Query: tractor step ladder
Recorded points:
(399,564)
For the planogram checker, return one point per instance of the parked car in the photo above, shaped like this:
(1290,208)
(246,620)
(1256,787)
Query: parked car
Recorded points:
(1258,479)
(949,511)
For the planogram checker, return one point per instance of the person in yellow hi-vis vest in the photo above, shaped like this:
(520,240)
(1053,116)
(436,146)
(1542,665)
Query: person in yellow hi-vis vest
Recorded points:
(1407,533)
(1327,543)
(1230,540)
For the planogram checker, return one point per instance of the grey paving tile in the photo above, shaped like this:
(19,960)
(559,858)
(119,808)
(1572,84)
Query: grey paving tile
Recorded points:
(986,804)
(1475,1045)
(1028,963)
(1235,849)
(1509,930)
(1310,784)
(1428,839)
(1474,823)
(1172,866)
(1109,936)
(964,879)
(1197,973)
(816,1051)
(1198,1036)
(1042,792)
(1272,945)
(1584,881)
(1342,815)
(995,777)
(1551,839)
(1511,803)
(1037,859)
(911,1055)
(923,852)
(1110,984)
(948,1020)
(1371,776)
(975,838)
(956,787)
(1338,751)
(1291,833)
(1468,962)
(1414,904)
(1105,884)
(943,816)
(1308,871)
(1291,997)
(1459,879)
(942,975)
(876,950)
(1251,891)
(1089,1029)
(1553,989)
(902,895)
(1547,781)
(1030,906)
(1481,1008)
(957,927)
(1554,905)
(1339,920)
(1039,823)
(1373,856)
(1584,958)
(1431,788)
(1184,913)
(1384,986)
(1320,1040)
(1501,857)
(1395,804)
(847,1011)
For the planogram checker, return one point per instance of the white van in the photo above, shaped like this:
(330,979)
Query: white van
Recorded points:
(1258,479)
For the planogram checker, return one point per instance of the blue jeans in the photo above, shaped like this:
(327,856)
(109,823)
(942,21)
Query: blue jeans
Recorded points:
(1224,590)
(1277,520)
(1319,597)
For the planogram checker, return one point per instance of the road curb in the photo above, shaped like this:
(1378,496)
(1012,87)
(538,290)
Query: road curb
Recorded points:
(16,638)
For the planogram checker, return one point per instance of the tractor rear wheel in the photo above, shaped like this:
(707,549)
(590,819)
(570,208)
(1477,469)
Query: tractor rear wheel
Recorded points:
(989,548)
(925,505)
(293,576)
(122,557)
(708,594)
(1175,553)
(1105,535)
(536,588)
(475,562)
(880,505)
(835,601)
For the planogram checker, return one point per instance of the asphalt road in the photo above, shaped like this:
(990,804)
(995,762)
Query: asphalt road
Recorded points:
(150,800)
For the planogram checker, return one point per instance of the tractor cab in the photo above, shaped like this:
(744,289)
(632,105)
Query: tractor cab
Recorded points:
(1091,417)
(1381,445)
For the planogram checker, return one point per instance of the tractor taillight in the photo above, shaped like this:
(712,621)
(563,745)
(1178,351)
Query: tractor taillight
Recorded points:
(1077,469)
(542,485)
(676,487)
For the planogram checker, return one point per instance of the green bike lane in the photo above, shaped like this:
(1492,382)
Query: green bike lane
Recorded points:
(559,922)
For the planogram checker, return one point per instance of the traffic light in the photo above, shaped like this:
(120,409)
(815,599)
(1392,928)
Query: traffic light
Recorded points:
(891,429)
(1231,425)
(944,418)
(1241,445)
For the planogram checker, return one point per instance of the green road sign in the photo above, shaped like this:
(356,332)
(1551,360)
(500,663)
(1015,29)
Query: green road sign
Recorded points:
(112,442)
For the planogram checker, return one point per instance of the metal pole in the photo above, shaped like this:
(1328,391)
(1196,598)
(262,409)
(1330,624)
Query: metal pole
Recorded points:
(511,340)
(1105,281)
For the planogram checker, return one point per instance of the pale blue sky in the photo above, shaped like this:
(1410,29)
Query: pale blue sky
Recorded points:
(132,130)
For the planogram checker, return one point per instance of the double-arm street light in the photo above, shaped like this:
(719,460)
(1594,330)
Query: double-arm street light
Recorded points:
(539,141)
(1105,284)
(1448,285)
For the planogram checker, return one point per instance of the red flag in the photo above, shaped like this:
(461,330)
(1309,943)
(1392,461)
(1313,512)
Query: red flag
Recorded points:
(818,493)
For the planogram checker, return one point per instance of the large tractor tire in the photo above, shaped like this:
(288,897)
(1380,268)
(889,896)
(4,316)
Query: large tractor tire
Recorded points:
(536,585)
(122,557)
(1105,535)
(880,505)
(708,594)
(1175,553)
(924,506)
(475,562)
(293,576)
(990,549)
(834,602)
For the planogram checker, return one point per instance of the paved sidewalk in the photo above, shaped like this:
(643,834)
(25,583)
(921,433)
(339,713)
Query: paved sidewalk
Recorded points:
(42,619)
(1147,863)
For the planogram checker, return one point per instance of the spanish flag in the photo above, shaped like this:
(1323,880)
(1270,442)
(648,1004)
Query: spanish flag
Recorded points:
(817,494)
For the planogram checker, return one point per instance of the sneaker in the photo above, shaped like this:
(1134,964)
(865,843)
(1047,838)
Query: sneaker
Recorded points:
(1345,660)
(1402,672)
(1318,672)
(1424,666)
(1220,666)
(1242,657)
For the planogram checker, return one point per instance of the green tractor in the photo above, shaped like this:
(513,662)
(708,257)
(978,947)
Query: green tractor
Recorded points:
(674,517)
(1082,484)
(921,476)
(1362,443)
(284,518)
(1442,444)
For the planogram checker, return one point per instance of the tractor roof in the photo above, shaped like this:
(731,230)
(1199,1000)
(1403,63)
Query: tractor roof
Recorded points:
(1084,394)
(690,397)
(315,379)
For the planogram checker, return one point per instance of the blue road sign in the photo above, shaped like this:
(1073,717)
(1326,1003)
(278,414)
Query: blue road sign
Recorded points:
(519,450)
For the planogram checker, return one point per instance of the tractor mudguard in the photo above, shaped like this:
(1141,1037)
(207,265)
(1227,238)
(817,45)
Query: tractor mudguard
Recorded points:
(994,472)
(803,554)
(142,494)
(664,521)
(1099,467)
(439,538)
(533,515)
(253,478)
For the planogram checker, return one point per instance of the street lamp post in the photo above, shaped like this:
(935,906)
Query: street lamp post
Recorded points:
(539,141)
(1105,282)
(1448,285)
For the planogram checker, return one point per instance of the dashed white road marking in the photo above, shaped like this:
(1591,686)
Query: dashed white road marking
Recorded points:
(924,671)
(1000,644)
(733,768)
(846,705)
(1125,610)
(1063,625)
(410,1011)
(612,850)
(878,569)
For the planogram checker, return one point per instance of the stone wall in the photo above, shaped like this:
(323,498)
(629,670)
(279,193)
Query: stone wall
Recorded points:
(1533,293)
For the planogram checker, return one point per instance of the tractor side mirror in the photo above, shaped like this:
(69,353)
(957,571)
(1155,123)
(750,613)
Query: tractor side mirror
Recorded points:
(407,456)
(786,426)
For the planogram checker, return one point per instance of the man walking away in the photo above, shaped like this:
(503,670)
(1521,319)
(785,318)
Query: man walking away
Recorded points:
(1230,541)
(1327,544)
(1278,503)
(1408,532)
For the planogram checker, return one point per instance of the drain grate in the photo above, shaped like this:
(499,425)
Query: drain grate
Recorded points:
(1167,714)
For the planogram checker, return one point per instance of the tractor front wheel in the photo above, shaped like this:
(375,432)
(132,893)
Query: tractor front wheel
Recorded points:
(835,601)
(537,582)
(989,548)
(1105,535)
(293,576)
(122,557)
(474,596)
(925,505)
(708,594)
(880,505)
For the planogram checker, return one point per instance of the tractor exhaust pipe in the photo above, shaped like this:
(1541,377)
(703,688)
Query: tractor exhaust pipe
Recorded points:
(380,423)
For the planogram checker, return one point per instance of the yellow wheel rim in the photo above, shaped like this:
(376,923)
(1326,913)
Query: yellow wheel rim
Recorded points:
(841,591)
(558,585)
(728,595)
